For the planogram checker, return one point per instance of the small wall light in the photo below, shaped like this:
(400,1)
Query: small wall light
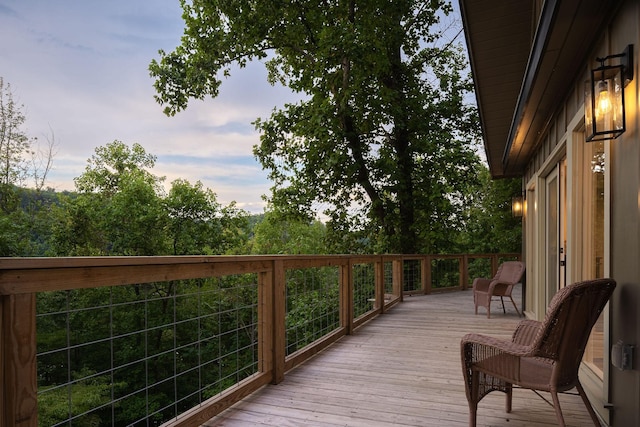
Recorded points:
(517,206)
(604,97)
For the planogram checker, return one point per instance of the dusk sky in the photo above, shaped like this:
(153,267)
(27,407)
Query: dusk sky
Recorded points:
(80,68)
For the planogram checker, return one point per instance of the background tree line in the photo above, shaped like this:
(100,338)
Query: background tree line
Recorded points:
(120,207)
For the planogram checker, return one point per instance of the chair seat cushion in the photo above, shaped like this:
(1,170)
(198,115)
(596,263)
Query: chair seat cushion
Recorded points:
(527,372)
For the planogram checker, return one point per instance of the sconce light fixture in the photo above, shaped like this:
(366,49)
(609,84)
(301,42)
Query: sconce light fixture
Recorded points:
(517,206)
(604,97)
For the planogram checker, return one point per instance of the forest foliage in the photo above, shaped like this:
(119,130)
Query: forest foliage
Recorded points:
(120,207)
(385,134)
(385,140)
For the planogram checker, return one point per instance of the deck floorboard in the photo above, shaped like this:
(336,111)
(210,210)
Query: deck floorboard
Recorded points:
(401,369)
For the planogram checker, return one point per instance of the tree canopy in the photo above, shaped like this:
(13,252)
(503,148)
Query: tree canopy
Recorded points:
(383,136)
(121,208)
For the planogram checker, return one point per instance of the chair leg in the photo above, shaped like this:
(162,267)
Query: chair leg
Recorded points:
(473,399)
(504,310)
(475,300)
(509,399)
(556,406)
(515,306)
(473,414)
(585,400)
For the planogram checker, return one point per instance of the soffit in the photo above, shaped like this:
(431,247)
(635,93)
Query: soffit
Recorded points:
(512,123)
(499,35)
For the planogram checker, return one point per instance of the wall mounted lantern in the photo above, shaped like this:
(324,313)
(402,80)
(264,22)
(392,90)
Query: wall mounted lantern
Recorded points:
(604,97)
(517,206)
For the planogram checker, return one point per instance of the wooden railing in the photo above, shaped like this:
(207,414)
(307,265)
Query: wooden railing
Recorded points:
(22,279)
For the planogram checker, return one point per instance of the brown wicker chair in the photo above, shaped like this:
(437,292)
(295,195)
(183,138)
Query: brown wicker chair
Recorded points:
(541,356)
(508,275)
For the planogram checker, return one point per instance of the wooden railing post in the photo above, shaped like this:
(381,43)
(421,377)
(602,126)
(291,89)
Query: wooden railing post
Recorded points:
(463,272)
(494,264)
(425,268)
(265,321)
(398,277)
(278,320)
(346,296)
(379,284)
(18,395)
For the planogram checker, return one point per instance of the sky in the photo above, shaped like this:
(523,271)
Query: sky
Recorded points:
(80,68)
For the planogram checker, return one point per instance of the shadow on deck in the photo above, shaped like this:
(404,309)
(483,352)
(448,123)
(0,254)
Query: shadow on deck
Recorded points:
(401,369)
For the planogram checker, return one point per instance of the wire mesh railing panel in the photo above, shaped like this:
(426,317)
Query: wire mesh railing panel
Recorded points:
(445,273)
(478,267)
(143,354)
(364,288)
(412,276)
(387,277)
(313,305)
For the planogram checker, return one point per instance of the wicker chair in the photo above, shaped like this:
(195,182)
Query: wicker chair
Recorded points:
(542,356)
(508,275)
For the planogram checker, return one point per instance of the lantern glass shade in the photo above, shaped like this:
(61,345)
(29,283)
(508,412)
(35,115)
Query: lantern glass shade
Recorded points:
(604,104)
(517,206)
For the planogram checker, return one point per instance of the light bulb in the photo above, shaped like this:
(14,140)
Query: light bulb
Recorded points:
(603,103)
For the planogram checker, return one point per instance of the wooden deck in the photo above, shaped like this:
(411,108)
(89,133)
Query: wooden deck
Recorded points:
(401,369)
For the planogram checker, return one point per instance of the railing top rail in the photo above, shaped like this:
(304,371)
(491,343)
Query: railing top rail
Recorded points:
(111,261)
(30,275)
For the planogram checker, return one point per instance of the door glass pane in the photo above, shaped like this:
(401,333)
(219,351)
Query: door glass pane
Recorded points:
(552,237)
(594,223)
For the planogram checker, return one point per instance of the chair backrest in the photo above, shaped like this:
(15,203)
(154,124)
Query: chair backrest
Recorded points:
(510,272)
(567,325)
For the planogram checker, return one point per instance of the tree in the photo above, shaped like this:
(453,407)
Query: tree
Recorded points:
(118,209)
(490,226)
(383,132)
(23,216)
(192,222)
(14,142)
(14,146)
(278,234)
(111,164)
(121,209)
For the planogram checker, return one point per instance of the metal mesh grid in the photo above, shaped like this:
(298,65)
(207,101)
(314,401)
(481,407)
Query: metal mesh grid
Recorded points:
(364,288)
(388,276)
(412,276)
(143,354)
(313,305)
(478,267)
(445,273)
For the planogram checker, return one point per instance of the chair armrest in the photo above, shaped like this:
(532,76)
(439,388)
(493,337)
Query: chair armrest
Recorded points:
(497,359)
(498,287)
(526,332)
(492,354)
(481,284)
(489,346)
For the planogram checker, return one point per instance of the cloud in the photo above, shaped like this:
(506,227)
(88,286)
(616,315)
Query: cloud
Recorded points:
(81,70)
(7,11)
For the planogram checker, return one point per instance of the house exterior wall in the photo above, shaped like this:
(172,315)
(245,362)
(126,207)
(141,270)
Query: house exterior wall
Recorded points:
(623,236)
(625,227)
